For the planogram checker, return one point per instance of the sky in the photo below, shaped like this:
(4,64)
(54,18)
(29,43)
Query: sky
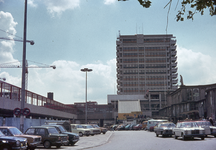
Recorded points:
(77,34)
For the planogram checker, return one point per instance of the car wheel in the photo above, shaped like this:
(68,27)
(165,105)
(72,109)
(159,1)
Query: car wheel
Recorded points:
(47,144)
(104,132)
(72,143)
(156,135)
(80,134)
(183,137)
(202,138)
(58,146)
(176,137)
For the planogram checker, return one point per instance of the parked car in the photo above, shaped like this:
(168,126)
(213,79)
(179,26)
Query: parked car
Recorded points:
(93,130)
(209,129)
(113,127)
(50,136)
(188,129)
(137,127)
(73,137)
(12,143)
(103,130)
(127,127)
(77,128)
(164,129)
(121,127)
(32,140)
(152,122)
(144,125)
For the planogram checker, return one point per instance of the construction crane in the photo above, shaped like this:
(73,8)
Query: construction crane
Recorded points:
(8,65)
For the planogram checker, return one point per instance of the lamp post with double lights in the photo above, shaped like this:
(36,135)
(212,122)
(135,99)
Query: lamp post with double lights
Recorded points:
(86,70)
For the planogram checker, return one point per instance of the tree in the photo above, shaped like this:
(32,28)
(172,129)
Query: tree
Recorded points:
(195,6)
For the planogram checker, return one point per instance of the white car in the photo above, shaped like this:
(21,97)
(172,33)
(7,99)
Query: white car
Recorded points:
(77,128)
(164,129)
(209,129)
(93,130)
(188,129)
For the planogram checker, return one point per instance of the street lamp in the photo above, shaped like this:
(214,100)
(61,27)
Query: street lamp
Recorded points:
(86,70)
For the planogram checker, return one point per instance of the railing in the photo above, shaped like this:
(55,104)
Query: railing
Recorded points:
(14,93)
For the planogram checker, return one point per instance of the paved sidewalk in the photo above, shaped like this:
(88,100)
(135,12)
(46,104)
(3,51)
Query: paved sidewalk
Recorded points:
(86,142)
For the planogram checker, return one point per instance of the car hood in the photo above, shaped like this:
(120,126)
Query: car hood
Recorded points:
(70,133)
(58,134)
(13,138)
(28,136)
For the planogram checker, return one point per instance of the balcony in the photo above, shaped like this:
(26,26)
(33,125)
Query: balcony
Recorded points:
(175,81)
(173,53)
(174,59)
(174,70)
(173,47)
(174,64)
(173,42)
(174,75)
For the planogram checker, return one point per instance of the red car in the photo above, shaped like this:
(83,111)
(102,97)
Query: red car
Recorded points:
(137,127)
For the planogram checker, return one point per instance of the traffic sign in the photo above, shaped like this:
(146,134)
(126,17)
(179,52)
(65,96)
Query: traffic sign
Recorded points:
(17,111)
(26,111)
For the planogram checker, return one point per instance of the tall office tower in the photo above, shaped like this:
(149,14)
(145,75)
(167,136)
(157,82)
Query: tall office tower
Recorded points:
(146,63)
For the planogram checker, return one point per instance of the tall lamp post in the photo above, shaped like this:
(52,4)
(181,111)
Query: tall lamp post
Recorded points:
(23,69)
(86,70)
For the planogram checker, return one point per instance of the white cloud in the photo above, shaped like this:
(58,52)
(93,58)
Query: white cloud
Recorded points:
(67,82)
(195,67)
(8,31)
(108,2)
(32,3)
(56,7)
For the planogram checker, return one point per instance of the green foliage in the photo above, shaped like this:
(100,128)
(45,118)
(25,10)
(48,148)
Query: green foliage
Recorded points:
(195,6)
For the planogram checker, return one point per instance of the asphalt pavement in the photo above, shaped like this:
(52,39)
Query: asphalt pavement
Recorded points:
(86,142)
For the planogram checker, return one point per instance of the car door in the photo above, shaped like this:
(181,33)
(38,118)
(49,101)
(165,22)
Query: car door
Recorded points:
(178,129)
(74,129)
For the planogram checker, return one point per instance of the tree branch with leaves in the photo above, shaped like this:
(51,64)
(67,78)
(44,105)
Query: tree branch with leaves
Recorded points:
(195,6)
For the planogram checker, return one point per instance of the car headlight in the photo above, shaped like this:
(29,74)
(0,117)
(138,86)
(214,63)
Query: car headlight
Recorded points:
(17,143)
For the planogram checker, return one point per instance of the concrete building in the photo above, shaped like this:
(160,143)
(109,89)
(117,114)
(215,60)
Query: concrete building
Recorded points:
(146,70)
(146,63)
(191,102)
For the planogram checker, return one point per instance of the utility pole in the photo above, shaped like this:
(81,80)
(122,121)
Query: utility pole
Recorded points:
(23,70)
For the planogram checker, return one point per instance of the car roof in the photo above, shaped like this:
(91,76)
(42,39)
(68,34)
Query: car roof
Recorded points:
(7,127)
(42,127)
(52,125)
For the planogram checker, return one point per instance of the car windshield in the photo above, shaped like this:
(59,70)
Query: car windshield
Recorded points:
(15,131)
(204,123)
(62,129)
(189,125)
(167,125)
(53,130)
(1,134)
(87,127)
(96,126)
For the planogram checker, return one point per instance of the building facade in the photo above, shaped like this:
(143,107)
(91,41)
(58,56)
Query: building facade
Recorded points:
(192,102)
(146,63)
